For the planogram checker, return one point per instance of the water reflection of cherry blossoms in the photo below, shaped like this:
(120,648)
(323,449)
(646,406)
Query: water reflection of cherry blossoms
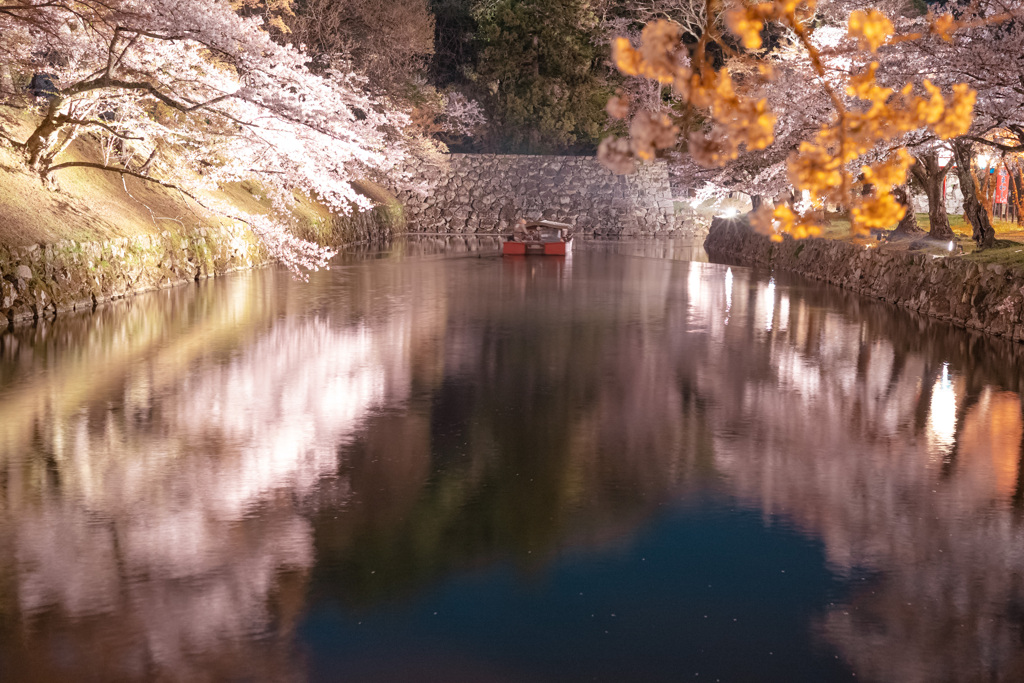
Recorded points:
(174,472)
(896,441)
(165,521)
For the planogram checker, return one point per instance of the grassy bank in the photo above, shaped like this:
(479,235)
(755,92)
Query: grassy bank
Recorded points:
(1008,249)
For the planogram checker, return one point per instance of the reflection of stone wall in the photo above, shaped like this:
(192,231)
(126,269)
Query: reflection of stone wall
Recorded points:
(487,193)
(437,245)
(987,297)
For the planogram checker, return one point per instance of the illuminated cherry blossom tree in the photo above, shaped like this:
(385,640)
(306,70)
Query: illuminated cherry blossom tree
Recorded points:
(205,96)
(855,155)
(989,56)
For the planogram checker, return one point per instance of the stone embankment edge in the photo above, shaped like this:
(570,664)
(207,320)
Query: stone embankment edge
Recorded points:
(44,281)
(41,281)
(971,295)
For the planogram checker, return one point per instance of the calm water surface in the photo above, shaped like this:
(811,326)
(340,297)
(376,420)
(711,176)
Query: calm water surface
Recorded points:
(433,464)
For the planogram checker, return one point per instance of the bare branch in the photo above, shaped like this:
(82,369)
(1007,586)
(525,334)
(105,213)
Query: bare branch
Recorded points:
(92,122)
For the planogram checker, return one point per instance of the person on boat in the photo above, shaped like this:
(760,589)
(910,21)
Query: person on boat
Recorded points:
(522,232)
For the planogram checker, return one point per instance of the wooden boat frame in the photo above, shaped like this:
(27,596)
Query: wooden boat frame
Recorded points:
(546,245)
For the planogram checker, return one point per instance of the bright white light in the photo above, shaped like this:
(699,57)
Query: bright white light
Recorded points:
(951,245)
(730,212)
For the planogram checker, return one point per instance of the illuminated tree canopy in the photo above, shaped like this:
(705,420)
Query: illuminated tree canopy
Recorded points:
(836,104)
(846,90)
(203,96)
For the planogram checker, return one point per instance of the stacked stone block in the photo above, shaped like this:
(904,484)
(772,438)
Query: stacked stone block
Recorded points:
(488,193)
(42,281)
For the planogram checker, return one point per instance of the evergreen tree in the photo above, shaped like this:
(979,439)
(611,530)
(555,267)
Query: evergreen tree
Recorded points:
(541,65)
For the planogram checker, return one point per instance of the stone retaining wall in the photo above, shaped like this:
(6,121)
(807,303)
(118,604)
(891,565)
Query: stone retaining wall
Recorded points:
(44,280)
(488,193)
(41,281)
(987,297)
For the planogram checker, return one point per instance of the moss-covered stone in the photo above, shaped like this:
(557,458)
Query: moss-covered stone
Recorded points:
(41,281)
(44,281)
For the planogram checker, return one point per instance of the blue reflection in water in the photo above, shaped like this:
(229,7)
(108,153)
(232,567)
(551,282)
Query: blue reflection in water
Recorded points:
(704,592)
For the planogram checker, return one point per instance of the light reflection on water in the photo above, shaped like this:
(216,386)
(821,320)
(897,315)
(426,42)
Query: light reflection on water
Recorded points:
(224,482)
(942,415)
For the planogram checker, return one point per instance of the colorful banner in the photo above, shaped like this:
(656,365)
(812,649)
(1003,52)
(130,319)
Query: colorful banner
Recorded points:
(1002,186)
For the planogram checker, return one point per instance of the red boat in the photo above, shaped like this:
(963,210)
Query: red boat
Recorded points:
(539,237)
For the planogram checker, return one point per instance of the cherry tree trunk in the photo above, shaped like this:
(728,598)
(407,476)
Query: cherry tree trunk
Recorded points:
(982,232)
(44,137)
(908,224)
(938,220)
(930,174)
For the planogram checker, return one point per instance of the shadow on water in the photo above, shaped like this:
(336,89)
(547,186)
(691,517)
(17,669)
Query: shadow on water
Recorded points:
(614,466)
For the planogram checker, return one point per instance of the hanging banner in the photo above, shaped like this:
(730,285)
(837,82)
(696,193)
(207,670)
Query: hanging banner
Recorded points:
(1002,186)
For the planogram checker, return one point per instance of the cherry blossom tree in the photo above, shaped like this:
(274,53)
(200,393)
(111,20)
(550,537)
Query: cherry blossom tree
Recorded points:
(982,231)
(981,53)
(206,96)
(461,116)
(800,104)
(990,57)
(626,18)
(858,144)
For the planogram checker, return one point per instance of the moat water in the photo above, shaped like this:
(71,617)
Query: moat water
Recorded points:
(433,464)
